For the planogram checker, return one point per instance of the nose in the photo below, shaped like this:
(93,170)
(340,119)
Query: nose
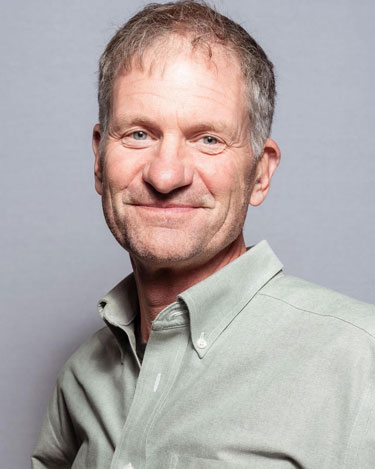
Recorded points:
(169,167)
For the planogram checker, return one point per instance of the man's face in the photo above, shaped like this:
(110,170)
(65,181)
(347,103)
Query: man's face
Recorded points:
(177,173)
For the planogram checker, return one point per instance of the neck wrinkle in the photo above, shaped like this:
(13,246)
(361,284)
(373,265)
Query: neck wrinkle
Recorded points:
(158,288)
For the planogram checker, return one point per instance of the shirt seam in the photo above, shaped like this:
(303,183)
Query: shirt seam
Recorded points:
(163,398)
(57,441)
(318,314)
(349,447)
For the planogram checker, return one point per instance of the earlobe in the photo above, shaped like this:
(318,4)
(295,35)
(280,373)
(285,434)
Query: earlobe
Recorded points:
(96,136)
(265,168)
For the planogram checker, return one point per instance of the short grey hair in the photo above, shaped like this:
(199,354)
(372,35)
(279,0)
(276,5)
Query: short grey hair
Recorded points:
(205,27)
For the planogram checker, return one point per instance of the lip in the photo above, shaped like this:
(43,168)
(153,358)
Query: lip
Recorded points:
(165,205)
(166,208)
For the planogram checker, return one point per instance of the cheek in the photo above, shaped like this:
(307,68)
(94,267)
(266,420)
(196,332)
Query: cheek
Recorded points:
(119,169)
(222,175)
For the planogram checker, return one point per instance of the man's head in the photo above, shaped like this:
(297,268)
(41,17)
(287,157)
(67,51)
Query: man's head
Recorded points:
(204,28)
(175,148)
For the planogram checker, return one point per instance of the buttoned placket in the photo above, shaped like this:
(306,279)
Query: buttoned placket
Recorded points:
(164,353)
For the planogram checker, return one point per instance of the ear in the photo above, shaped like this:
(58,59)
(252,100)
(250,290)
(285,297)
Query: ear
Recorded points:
(266,166)
(98,167)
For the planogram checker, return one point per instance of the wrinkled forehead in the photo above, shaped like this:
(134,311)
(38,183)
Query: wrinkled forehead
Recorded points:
(162,53)
(180,73)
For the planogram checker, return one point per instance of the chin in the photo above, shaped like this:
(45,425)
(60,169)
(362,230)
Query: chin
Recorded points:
(159,246)
(159,254)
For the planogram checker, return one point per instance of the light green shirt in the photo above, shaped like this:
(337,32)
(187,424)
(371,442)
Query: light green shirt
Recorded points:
(248,369)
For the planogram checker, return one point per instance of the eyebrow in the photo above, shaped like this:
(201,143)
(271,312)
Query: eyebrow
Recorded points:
(209,126)
(125,121)
(196,127)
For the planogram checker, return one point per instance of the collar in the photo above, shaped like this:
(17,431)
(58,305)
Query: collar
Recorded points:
(212,303)
(120,306)
(216,301)
(118,310)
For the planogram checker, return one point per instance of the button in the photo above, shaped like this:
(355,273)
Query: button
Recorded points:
(157,381)
(201,342)
(176,313)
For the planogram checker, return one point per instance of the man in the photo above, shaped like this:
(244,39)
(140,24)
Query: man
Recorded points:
(211,357)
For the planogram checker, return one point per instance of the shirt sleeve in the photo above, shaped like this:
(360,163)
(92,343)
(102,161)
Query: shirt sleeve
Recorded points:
(57,444)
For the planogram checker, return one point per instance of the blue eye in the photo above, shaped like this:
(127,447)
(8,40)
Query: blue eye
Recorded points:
(209,140)
(139,135)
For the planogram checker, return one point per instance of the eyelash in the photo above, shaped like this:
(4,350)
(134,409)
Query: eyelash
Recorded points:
(215,147)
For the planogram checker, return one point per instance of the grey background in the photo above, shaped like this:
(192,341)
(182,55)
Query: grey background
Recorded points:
(58,257)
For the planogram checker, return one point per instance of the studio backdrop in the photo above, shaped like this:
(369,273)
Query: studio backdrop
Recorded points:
(58,257)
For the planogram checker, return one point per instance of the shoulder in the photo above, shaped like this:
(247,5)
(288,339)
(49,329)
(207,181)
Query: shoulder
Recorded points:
(99,352)
(320,304)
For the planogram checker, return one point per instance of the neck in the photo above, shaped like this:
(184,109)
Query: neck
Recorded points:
(158,287)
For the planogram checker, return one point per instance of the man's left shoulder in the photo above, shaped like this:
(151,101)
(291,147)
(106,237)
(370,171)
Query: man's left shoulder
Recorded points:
(312,299)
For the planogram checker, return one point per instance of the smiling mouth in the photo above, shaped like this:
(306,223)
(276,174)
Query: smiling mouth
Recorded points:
(164,205)
(166,208)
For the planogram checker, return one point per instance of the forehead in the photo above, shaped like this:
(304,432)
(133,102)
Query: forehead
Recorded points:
(165,50)
(175,67)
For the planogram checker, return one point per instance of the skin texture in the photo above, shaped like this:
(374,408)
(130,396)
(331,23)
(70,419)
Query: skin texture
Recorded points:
(178,172)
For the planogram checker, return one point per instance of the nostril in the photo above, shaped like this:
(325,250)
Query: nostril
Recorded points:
(165,178)
(162,196)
